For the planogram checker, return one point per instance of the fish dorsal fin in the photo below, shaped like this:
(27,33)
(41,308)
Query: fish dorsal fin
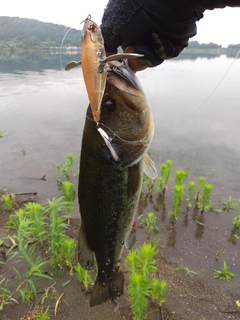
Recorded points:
(149,167)
(72,65)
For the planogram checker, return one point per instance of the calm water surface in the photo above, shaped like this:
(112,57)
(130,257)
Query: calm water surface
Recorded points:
(196,108)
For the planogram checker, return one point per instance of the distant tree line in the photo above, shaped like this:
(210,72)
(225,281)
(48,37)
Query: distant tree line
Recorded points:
(197,45)
(29,33)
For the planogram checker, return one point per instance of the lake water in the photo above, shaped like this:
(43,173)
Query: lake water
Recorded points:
(196,109)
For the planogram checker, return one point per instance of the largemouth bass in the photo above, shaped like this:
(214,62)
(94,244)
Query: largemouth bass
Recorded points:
(94,64)
(110,179)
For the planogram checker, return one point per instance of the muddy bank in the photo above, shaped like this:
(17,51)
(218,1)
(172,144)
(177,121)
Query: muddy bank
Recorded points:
(191,295)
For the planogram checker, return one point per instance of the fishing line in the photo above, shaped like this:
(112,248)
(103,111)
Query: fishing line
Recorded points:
(116,135)
(211,93)
(62,45)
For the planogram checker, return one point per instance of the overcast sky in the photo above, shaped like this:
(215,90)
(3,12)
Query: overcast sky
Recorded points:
(220,26)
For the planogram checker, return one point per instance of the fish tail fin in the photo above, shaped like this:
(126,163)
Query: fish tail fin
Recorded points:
(111,289)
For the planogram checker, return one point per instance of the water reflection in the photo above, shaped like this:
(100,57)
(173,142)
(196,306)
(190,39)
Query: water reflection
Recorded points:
(35,61)
(42,107)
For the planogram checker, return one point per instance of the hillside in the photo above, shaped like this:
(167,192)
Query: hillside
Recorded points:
(28,33)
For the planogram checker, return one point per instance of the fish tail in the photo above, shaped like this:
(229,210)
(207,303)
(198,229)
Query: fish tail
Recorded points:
(111,289)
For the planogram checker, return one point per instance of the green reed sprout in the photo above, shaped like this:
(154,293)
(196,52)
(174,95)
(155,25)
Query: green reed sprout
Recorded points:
(180,177)
(228,205)
(132,261)
(7,201)
(34,212)
(164,176)
(150,222)
(68,195)
(138,290)
(151,184)
(69,252)
(191,186)
(177,201)
(141,263)
(159,185)
(159,289)
(201,181)
(225,274)
(205,203)
(83,276)
(63,171)
(236,220)
(57,231)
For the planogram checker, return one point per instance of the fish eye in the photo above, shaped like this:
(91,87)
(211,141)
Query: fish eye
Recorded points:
(109,105)
(92,28)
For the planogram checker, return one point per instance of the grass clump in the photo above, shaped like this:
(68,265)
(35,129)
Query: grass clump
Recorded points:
(142,264)
(228,204)
(7,201)
(63,171)
(84,276)
(236,220)
(204,204)
(164,176)
(150,222)
(225,274)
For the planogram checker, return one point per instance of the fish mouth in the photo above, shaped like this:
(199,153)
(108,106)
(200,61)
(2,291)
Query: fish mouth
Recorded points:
(131,95)
(124,79)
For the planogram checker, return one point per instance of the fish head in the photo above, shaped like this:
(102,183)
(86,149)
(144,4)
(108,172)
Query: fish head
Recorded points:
(126,117)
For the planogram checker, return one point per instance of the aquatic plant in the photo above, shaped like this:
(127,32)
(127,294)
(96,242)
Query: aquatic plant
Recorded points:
(63,171)
(180,177)
(236,220)
(7,201)
(2,133)
(34,213)
(138,290)
(84,276)
(68,252)
(191,186)
(225,274)
(201,181)
(151,184)
(185,269)
(57,228)
(164,176)
(228,204)
(158,290)
(141,263)
(204,204)
(150,222)
(177,201)
(68,195)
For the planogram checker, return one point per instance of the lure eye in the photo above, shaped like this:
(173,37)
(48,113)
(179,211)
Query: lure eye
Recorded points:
(109,105)
(92,28)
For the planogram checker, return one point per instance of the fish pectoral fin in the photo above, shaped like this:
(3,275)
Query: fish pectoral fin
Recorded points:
(149,167)
(131,238)
(85,254)
(72,65)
